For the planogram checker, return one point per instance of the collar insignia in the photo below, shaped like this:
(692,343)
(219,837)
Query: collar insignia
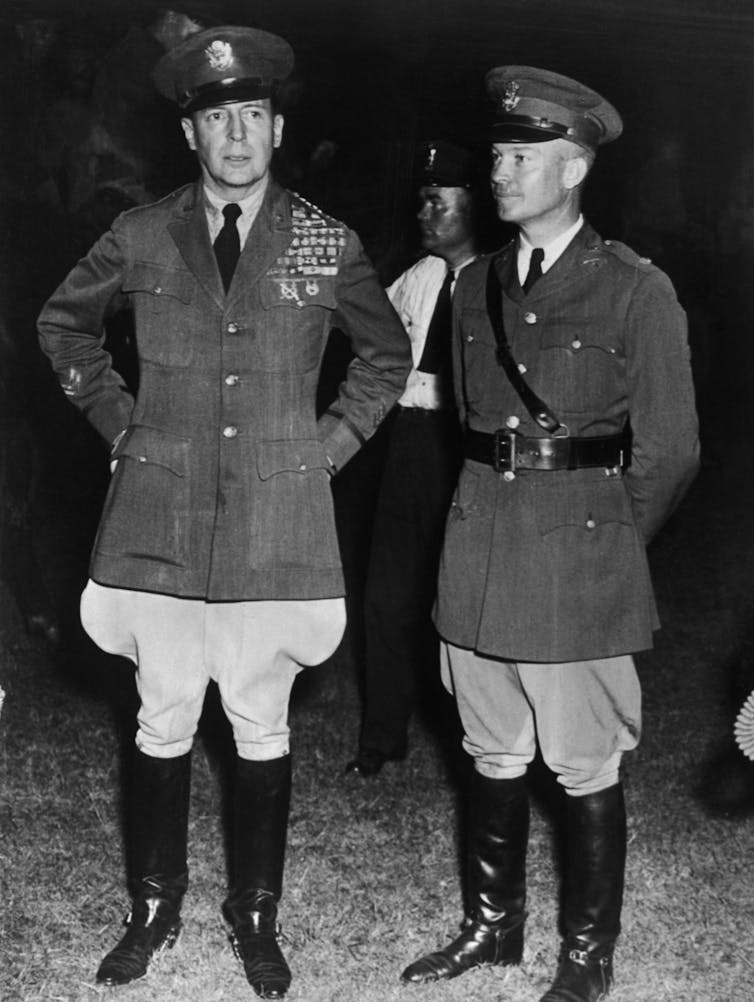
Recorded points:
(219,55)
(510,98)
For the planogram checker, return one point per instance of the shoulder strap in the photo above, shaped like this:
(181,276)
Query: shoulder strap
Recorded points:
(536,407)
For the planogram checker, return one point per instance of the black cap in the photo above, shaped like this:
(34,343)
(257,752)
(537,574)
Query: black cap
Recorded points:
(442,164)
(220,65)
(534,105)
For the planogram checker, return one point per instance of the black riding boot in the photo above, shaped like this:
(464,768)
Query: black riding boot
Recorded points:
(596,858)
(493,930)
(260,825)
(158,871)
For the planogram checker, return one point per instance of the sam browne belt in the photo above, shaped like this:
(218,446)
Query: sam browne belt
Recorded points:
(507,452)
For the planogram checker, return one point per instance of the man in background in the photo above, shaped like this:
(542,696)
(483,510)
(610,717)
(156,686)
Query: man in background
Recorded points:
(421,467)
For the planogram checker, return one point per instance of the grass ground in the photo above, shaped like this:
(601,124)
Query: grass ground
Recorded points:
(373,878)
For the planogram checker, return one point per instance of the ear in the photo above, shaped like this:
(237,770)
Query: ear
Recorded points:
(188,130)
(574,172)
(277,130)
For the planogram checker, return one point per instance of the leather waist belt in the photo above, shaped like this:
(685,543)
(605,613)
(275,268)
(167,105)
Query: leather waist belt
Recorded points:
(507,452)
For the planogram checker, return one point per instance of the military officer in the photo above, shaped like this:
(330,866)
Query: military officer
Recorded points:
(573,379)
(216,555)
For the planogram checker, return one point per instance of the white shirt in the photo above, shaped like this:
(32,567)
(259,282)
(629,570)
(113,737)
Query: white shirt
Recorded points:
(553,250)
(249,207)
(414,295)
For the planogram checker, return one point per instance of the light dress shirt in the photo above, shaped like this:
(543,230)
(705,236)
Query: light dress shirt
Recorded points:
(249,207)
(414,294)
(553,250)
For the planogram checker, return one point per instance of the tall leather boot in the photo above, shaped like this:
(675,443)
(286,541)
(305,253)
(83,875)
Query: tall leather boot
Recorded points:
(258,838)
(493,930)
(158,871)
(596,859)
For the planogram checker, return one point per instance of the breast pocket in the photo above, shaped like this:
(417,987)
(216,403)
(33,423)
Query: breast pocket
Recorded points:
(146,513)
(579,370)
(482,373)
(297,312)
(162,302)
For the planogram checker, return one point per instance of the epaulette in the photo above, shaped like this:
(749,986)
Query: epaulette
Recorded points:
(164,202)
(624,253)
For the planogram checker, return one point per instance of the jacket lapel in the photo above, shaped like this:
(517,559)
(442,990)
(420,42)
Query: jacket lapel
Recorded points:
(268,239)
(507,271)
(190,232)
(584,249)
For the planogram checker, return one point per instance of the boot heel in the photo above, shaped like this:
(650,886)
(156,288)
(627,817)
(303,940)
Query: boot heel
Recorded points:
(510,946)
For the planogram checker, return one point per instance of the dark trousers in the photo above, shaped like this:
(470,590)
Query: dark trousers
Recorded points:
(423,460)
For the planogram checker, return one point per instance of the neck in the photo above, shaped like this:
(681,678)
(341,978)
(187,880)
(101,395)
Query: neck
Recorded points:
(457,255)
(541,232)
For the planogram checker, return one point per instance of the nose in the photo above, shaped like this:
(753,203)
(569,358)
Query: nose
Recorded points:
(424,212)
(236,127)
(499,171)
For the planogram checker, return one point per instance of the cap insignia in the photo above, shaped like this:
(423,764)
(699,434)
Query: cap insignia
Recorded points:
(219,55)
(431,157)
(510,98)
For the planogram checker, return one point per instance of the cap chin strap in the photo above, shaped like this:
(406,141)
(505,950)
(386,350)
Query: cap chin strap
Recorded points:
(528,129)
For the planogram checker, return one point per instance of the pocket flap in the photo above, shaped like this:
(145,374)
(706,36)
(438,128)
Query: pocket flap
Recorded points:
(286,456)
(583,506)
(159,281)
(158,448)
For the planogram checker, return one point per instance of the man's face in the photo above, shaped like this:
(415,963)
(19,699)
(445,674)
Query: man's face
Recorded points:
(234,143)
(444,219)
(532,184)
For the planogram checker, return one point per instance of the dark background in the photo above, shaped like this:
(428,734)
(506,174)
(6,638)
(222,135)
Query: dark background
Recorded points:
(375,76)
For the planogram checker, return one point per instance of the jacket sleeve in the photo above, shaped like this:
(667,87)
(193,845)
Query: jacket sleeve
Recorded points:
(72,334)
(665,443)
(382,357)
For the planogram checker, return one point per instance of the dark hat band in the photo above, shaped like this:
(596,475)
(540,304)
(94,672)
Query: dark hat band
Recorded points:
(526,128)
(224,92)
(443,181)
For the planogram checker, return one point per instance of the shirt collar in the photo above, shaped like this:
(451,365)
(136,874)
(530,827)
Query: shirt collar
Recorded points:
(249,206)
(554,249)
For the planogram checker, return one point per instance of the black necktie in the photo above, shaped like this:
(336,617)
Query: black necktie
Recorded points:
(535,268)
(227,244)
(436,356)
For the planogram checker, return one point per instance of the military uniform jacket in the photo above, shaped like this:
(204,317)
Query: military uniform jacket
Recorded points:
(222,485)
(551,566)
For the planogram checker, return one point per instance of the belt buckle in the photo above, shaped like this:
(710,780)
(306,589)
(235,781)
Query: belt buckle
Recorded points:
(504,452)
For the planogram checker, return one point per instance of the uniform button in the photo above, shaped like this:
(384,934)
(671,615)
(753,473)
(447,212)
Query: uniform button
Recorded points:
(231,379)
(230,431)
(232,328)
(576,343)
(302,467)
(509,475)
(530,318)
(521,368)
(157,290)
(590,523)
(512,422)
(469,338)
(142,459)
